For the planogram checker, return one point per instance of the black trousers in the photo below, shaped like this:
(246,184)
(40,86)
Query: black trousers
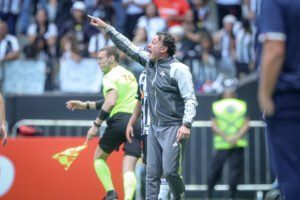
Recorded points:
(235,157)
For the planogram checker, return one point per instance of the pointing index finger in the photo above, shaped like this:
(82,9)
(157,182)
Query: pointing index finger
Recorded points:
(91,17)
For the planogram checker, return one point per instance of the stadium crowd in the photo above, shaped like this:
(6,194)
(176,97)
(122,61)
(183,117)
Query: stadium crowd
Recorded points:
(215,38)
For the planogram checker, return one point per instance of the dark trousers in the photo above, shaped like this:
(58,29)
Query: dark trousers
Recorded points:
(283,142)
(236,159)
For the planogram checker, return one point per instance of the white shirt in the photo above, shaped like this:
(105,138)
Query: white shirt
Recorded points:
(152,26)
(51,32)
(97,42)
(225,44)
(8,44)
(228,2)
(244,46)
(133,9)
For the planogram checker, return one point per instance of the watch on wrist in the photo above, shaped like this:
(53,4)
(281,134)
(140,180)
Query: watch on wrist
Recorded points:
(187,124)
(96,124)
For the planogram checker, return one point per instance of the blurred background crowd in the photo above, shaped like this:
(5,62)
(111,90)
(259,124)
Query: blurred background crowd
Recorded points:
(215,38)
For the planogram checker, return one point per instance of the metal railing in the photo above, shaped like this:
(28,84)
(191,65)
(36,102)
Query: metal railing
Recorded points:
(50,127)
(256,177)
(199,151)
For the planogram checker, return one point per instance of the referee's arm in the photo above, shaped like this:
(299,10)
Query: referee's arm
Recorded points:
(109,102)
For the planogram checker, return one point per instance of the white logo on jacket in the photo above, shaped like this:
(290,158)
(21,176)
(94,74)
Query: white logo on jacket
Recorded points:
(163,73)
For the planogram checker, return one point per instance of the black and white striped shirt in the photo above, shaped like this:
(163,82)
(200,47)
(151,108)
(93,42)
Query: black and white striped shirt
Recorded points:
(142,96)
(97,42)
(8,44)
(245,46)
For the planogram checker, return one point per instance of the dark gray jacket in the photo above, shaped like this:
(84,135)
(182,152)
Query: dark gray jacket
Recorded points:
(170,87)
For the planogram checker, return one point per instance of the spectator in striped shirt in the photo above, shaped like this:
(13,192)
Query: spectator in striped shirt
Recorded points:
(9,45)
(244,50)
(42,27)
(225,43)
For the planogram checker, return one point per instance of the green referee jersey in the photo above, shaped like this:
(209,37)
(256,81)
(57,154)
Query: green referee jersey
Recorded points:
(124,82)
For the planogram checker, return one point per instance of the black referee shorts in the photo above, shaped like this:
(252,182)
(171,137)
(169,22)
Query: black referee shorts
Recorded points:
(115,135)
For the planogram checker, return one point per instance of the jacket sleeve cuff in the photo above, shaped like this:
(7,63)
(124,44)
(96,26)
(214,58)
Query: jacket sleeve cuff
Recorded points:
(108,28)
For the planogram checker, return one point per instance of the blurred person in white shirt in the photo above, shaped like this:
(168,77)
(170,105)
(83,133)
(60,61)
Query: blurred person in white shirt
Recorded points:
(151,21)
(9,45)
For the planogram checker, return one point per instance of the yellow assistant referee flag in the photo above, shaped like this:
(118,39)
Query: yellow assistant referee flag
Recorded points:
(66,157)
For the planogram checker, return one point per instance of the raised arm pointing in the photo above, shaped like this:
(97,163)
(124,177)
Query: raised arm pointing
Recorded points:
(121,42)
(97,22)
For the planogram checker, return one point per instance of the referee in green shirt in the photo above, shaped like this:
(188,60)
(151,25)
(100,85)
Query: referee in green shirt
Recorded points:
(119,90)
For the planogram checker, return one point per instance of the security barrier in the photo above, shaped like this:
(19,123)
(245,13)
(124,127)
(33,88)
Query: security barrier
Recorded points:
(198,153)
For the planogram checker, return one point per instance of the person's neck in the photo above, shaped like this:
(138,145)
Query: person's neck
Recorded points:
(113,65)
(42,27)
(78,20)
(40,24)
(162,57)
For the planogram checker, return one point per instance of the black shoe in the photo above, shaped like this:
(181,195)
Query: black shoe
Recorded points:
(111,195)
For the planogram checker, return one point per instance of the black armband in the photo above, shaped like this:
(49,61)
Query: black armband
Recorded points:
(99,104)
(103,115)
(96,124)
(87,105)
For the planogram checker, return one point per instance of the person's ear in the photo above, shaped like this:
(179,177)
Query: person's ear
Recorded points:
(164,49)
(110,59)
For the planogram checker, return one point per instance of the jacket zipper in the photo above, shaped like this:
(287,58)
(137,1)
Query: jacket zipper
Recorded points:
(155,94)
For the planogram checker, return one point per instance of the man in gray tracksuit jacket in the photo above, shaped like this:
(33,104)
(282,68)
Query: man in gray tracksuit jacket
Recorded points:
(172,105)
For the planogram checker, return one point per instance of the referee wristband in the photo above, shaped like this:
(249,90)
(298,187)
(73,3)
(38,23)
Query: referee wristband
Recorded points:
(103,115)
(99,104)
(96,124)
